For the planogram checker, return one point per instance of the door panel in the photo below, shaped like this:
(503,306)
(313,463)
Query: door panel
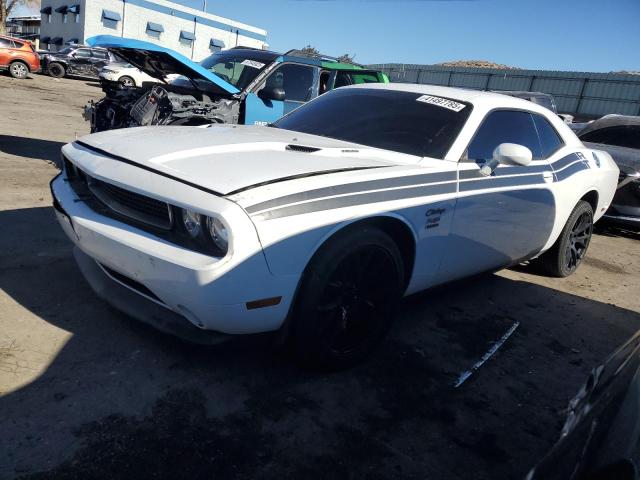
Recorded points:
(261,112)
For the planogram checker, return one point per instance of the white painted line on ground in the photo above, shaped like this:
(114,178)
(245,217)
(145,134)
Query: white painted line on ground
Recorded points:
(494,348)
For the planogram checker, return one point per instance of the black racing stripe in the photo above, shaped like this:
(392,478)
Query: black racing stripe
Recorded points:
(504,171)
(147,168)
(569,171)
(356,187)
(497,182)
(361,199)
(566,161)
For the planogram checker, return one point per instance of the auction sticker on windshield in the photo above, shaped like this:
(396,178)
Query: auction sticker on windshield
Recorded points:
(252,64)
(441,102)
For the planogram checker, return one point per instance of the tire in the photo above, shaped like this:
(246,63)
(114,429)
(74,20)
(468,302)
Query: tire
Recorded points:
(127,81)
(347,298)
(567,253)
(19,70)
(57,70)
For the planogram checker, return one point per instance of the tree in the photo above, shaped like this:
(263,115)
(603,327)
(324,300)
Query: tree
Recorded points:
(8,6)
(309,50)
(346,58)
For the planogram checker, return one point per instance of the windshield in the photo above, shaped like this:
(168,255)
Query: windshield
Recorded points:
(404,122)
(238,67)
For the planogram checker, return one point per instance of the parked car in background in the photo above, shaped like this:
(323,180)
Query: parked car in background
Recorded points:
(125,74)
(600,439)
(77,60)
(18,57)
(318,224)
(239,85)
(619,135)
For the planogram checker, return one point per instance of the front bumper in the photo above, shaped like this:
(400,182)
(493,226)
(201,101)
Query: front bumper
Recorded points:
(200,291)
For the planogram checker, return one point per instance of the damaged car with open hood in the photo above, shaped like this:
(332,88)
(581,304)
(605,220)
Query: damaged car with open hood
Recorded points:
(240,85)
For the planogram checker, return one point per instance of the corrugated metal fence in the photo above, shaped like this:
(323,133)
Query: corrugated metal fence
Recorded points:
(578,93)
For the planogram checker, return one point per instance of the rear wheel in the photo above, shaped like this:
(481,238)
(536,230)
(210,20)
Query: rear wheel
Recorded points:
(18,70)
(347,299)
(57,70)
(567,253)
(126,81)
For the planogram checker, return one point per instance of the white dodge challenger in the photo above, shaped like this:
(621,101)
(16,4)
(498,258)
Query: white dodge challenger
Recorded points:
(317,225)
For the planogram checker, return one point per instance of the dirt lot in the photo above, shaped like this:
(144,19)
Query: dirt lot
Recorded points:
(87,393)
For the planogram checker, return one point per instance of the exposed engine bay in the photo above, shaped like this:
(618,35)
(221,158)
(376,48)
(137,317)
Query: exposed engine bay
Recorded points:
(155,104)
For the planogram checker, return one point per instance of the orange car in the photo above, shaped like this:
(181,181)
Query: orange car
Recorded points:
(18,56)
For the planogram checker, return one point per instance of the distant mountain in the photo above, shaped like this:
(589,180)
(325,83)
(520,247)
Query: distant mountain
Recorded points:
(475,64)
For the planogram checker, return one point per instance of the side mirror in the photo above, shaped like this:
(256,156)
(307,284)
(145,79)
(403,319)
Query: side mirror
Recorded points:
(274,93)
(507,154)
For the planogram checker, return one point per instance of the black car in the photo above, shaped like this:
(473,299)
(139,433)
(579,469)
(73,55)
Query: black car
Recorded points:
(600,439)
(79,60)
(619,135)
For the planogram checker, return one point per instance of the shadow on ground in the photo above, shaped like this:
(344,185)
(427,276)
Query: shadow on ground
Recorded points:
(122,401)
(30,147)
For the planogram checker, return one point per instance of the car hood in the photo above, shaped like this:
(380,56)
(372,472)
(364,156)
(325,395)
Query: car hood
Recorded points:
(227,159)
(158,62)
(623,156)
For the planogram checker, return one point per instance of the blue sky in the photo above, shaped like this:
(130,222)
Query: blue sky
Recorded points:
(586,35)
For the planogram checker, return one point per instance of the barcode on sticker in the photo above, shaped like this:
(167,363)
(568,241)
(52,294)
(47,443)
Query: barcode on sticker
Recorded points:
(441,102)
(252,64)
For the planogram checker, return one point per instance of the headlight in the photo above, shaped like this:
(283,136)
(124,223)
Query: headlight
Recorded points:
(218,233)
(192,223)
(201,233)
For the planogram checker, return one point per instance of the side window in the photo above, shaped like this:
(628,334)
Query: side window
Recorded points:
(342,80)
(550,141)
(295,80)
(4,43)
(83,53)
(99,54)
(504,126)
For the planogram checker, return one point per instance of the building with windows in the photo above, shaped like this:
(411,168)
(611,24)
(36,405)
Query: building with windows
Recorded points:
(27,27)
(193,33)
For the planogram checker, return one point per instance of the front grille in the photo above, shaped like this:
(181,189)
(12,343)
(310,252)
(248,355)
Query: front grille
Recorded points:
(120,201)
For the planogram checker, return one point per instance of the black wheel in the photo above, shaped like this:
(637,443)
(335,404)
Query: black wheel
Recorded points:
(347,299)
(567,253)
(57,70)
(18,70)
(126,81)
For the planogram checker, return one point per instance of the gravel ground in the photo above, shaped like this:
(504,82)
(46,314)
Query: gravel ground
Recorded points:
(86,392)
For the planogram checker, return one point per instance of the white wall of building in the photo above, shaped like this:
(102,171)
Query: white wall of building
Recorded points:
(135,14)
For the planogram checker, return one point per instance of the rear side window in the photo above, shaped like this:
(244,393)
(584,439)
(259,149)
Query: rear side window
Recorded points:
(619,136)
(99,54)
(18,44)
(550,141)
(355,78)
(504,126)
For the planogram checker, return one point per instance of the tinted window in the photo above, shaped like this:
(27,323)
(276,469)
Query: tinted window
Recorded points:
(550,141)
(504,126)
(83,52)
(295,80)
(385,119)
(18,44)
(620,136)
(99,54)
(351,78)
(4,43)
